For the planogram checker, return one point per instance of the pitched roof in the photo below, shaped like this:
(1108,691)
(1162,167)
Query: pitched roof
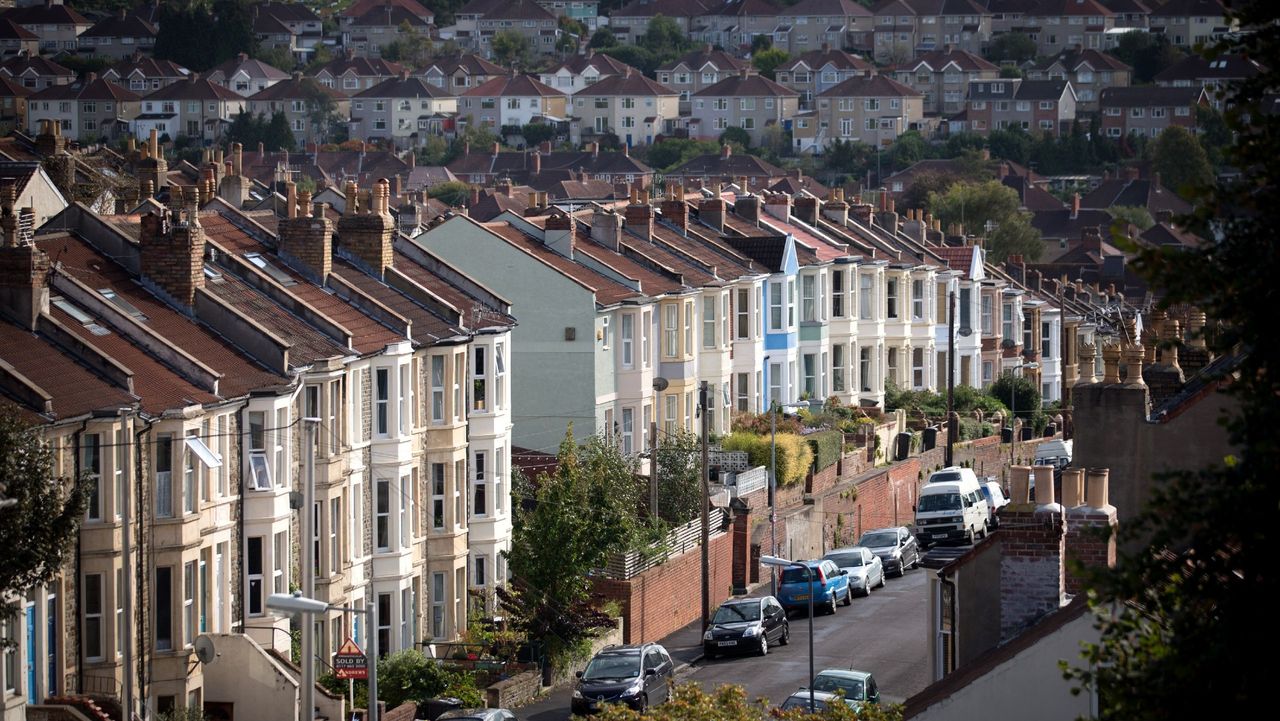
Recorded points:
(10,30)
(743,8)
(519,10)
(91,88)
(741,85)
(469,63)
(836,58)
(632,84)
(666,8)
(732,166)
(122,25)
(1088,8)
(10,89)
(148,66)
(389,16)
(513,86)
(294,88)
(940,59)
(1166,234)
(1031,196)
(957,257)
(1148,95)
(75,390)
(252,67)
(360,7)
(1057,223)
(793,186)
(195,88)
(1072,58)
(21,62)
(404,86)
(603,63)
(294,12)
(875,86)
(1041,89)
(607,290)
(833,8)
(1138,192)
(1223,67)
(1189,8)
(45,14)
(697,59)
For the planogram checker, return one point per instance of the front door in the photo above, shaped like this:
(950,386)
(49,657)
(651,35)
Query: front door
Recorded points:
(51,646)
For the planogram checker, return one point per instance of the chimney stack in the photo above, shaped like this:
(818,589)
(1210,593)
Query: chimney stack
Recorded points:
(711,212)
(674,210)
(836,210)
(171,247)
(805,208)
(1075,206)
(748,206)
(606,229)
(1032,578)
(779,206)
(558,235)
(1091,526)
(366,235)
(306,242)
(24,269)
(639,217)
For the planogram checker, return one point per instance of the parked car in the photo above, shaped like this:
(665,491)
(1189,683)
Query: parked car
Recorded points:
(477,714)
(897,548)
(746,624)
(800,700)
(865,569)
(995,499)
(858,687)
(637,675)
(830,586)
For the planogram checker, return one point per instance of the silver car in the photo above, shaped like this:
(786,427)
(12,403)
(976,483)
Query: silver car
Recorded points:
(864,568)
(896,547)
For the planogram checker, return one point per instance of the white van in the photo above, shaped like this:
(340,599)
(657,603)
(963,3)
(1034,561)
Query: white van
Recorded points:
(953,473)
(952,510)
(1056,453)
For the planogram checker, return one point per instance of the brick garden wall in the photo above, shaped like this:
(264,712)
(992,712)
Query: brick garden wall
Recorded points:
(665,599)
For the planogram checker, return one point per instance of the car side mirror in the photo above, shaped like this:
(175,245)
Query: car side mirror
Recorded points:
(577,674)
(844,572)
(651,672)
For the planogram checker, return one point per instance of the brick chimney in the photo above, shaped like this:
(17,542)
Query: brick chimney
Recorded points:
(1091,238)
(888,218)
(835,209)
(805,208)
(234,186)
(24,269)
(1075,206)
(674,210)
(1032,577)
(606,229)
(365,232)
(779,206)
(152,166)
(1091,523)
(171,246)
(639,215)
(726,151)
(306,242)
(1131,172)
(536,164)
(559,232)
(711,212)
(748,206)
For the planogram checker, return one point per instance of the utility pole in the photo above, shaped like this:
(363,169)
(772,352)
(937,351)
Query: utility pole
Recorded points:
(308,569)
(706,510)
(952,425)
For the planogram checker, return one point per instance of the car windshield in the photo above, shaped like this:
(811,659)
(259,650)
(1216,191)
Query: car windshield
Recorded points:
(879,539)
(851,687)
(797,575)
(845,560)
(799,701)
(940,502)
(614,667)
(737,613)
(941,476)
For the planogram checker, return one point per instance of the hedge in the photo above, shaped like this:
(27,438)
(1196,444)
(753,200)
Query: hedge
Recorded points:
(827,447)
(794,455)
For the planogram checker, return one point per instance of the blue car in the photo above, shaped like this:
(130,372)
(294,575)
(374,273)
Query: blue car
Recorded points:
(830,587)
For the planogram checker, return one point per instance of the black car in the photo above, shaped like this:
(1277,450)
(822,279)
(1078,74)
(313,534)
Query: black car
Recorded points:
(896,547)
(638,675)
(746,624)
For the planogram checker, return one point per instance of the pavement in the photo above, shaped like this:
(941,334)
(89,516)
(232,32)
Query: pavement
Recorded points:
(884,633)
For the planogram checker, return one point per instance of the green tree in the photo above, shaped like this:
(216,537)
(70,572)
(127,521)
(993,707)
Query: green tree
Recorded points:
(989,209)
(536,133)
(1197,566)
(445,10)
(846,156)
(410,48)
(1011,144)
(634,56)
(549,594)
(1017,393)
(908,149)
(184,35)
(736,135)
(451,192)
(39,530)
(1015,47)
(760,43)
(925,184)
(670,153)
(510,48)
(664,38)
(1131,215)
(679,467)
(409,675)
(766,61)
(279,58)
(278,135)
(689,702)
(603,38)
(1182,163)
(1214,135)
(1148,54)
(322,111)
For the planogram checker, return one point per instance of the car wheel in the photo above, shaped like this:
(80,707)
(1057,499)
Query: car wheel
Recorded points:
(831,604)
(764,644)
(881,584)
(710,656)
(848,597)
(785,638)
(969,537)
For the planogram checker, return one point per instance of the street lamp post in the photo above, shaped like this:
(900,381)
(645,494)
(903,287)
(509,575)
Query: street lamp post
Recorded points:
(297,603)
(1013,409)
(776,561)
(774,406)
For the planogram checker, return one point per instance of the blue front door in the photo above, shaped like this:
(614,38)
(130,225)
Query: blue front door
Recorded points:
(51,646)
(31,655)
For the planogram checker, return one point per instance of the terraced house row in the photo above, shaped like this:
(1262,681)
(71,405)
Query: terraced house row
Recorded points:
(190,358)
(768,298)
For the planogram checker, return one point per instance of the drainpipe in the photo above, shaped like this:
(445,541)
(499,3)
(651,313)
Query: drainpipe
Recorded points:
(76,464)
(126,518)
(139,583)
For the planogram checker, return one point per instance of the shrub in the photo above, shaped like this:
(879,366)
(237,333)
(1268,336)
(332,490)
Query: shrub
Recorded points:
(794,455)
(827,446)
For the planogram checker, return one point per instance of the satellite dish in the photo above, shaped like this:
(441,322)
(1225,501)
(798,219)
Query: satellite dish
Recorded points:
(204,650)
(660,384)
(965,332)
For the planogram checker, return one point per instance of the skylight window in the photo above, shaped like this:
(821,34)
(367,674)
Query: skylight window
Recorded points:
(265,266)
(123,304)
(79,315)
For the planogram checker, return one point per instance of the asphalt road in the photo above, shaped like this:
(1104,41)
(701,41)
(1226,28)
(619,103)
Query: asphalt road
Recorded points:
(883,634)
